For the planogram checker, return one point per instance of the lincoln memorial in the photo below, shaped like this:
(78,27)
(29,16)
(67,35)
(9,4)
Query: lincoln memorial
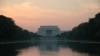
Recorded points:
(48,30)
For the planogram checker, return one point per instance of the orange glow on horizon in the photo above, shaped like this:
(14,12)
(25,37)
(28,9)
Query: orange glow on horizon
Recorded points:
(30,16)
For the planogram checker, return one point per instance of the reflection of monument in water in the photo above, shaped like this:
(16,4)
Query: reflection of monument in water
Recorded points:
(48,42)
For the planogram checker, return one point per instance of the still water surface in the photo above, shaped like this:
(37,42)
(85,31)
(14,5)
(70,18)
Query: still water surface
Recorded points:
(49,48)
(35,51)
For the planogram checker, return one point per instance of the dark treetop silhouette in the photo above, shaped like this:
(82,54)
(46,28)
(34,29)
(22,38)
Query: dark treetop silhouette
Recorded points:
(88,31)
(9,32)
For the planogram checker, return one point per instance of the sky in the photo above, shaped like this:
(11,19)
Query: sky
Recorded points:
(67,14)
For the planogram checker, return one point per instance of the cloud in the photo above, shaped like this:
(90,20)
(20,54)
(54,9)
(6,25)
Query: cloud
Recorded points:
(24,9)
(26,14)
(30,16)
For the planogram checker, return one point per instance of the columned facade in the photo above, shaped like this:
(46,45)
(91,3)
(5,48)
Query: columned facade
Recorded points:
(48,31)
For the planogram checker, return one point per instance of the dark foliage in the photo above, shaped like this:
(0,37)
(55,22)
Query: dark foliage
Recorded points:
(10,32)
(88,31)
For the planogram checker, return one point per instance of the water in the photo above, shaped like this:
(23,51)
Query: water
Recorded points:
(49,47)
(35,51)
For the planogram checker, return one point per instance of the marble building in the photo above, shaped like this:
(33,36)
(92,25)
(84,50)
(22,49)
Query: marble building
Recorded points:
(48,30)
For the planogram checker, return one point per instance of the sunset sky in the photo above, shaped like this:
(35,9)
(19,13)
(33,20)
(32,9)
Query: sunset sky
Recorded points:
(30,14)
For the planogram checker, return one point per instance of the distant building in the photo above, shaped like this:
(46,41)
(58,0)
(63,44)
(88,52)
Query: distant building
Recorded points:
(48,30)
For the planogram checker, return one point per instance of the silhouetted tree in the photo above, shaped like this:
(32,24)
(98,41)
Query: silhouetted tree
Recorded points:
(89,31)
(7,28)
(9,32)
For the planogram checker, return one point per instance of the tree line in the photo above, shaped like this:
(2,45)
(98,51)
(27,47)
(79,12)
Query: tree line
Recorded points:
(10,32)
(87,31)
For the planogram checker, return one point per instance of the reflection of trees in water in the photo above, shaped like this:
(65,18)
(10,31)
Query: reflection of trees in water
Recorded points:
(89,31)
(10,32)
